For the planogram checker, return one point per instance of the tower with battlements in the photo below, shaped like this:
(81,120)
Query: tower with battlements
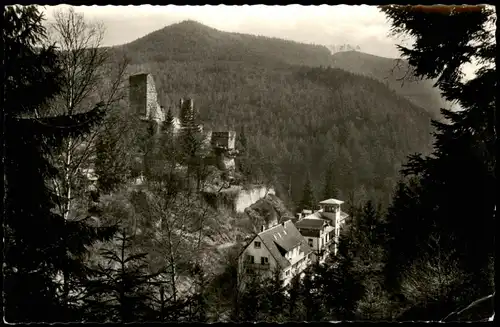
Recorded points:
(144,99)
(144,103)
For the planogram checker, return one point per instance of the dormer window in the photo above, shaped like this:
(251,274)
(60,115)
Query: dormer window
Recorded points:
(256,245)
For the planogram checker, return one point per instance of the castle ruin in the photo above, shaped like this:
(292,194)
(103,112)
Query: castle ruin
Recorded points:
(144,99)
(144,103)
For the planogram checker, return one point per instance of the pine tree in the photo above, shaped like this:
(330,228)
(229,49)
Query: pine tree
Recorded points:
(370,222)
(121,290)
(329,188)
(40,245)
(112,164)
(190,134)
(243,161)
(342,283)
(466,141)
(191,140)
(294,304)
(243,142)
(308,200)
(168,124)
(274,301)
(310,294)
(250,299)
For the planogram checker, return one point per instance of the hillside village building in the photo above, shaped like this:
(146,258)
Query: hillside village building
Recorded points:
(280,247)
(326,237)
(290,247)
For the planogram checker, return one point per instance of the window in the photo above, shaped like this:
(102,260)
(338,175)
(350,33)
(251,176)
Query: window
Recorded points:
(256,245)
(264,260)
(310,242)
(287,272)
(250,258)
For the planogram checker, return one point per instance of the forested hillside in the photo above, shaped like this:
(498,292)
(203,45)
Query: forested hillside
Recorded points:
(394,73)
(297,118)
(144,239)
(192,41)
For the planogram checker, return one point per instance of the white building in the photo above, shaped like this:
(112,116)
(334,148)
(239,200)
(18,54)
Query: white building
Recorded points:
(281,247)
(319,235)
(322,228)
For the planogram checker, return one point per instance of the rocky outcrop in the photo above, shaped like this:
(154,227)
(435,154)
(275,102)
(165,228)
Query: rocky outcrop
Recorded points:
(267,212)
(247,197)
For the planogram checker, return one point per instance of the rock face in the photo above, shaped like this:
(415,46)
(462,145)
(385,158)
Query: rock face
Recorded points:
(268,212)
(246,198)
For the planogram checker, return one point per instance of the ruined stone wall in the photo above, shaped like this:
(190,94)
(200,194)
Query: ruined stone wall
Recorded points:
(143,97)
(137,94)
(224,139)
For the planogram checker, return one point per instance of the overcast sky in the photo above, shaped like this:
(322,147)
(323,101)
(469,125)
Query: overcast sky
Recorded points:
(357,25)
(362,25)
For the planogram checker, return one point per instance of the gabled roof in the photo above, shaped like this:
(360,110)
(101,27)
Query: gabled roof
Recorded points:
(282,238)
(309,223)
(331,201)
(316,215)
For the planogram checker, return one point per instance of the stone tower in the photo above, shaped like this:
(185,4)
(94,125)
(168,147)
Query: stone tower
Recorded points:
(223,145)
(143,98)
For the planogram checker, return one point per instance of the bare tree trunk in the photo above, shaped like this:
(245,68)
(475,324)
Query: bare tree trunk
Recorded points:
(83,61)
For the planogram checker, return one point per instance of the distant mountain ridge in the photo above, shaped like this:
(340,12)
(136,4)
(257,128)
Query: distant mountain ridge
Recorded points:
(192,41)
(299,112)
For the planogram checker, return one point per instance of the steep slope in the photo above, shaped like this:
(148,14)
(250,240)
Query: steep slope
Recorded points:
(268,211)
(190,40)
(388,71)
(300,119)
(297,118)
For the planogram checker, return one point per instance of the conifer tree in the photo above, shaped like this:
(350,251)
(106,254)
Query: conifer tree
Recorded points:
(308,199)
(242,139)
(121,290)
(329,188)
(273,304)
(168,124)
(40,245)
(310,296)
(112,164)
(250,300)
(243,161)
(446,38)
(294,304)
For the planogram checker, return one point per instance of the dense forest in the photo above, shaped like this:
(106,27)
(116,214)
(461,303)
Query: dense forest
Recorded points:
(397,75)
(296,118)
(140,243)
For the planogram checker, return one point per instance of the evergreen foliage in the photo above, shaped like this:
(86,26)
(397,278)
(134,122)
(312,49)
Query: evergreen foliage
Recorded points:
(330,190)
(308,199)
(121,289)
(456,182)
(40,245)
